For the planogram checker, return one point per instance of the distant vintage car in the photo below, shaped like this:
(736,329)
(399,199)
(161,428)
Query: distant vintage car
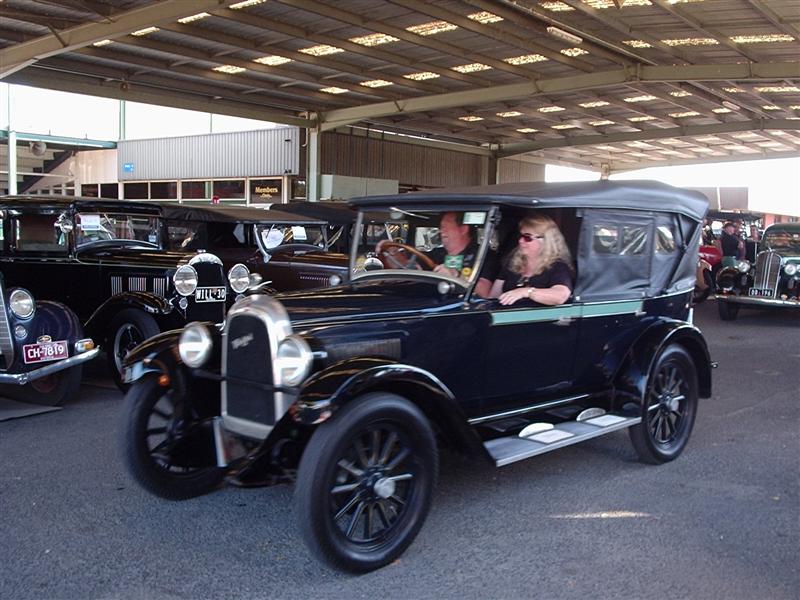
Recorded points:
(348,389)
(42,348)
(107,261)
(774,279)
(288,251)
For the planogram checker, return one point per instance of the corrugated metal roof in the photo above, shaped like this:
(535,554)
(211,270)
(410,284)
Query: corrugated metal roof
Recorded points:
(601,75)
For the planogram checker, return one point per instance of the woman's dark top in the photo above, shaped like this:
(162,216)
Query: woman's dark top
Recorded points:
(558,274)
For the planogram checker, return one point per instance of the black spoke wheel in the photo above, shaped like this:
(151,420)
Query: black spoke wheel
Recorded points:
(365,482)
(669,408)
(167,447)
(128,329)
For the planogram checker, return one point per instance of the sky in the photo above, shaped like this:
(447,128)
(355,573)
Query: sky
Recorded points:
(774,185)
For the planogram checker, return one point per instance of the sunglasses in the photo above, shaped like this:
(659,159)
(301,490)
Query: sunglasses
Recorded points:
(529,237)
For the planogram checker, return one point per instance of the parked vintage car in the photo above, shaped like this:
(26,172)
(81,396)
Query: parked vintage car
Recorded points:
(289,251)
(42,348)
(774,279)
(107,261)
(349,388)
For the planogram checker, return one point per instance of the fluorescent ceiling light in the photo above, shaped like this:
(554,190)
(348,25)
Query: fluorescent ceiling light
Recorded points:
(192,18)
(721,110)
(102,43)
(683,115)
(600,123)
(144,31)
(334,90)
(771,107)
(565,36)
(641,119)
(527,130)
(509,113)
(643,98)
(549,109)
(593,104)
(470,118)
(564,126)
(376,83)
(245,4)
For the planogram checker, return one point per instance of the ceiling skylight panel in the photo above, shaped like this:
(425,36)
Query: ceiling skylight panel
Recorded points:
(641,119)
(556,6)
(432,28)
(767,38)
(509,113)
(245,4)
(593,104)
(229,69)
(470,118)
(601,123)
(525,59)
(193,18)
(334,90)
(685,114)
(680,94)
(637,44)
(373,39)
(777,89)
(321,50)
(574,52)
(564,126)
(102,43)
(471,68)
(527,130)
(549,109)
(376,83)
(642,98)
(273,60)
(696,41)
(421,76)
(145,31)
(485,17)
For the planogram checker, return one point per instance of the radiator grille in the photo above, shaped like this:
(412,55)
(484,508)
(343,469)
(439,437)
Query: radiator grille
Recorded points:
(768,270)
(6,341)
(248,366)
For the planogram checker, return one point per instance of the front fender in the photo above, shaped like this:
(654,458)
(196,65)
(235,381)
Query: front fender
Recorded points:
(159,354)
(631,379)
(98,323)
(335,386)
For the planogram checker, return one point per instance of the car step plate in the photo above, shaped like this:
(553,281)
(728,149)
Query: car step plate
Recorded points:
(506,450)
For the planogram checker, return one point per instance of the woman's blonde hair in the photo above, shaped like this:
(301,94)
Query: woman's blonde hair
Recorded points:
(554,246)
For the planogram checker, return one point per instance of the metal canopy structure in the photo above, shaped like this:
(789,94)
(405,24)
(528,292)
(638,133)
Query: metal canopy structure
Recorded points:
(604,84)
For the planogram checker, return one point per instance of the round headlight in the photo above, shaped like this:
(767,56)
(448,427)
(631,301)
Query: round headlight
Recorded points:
(21,303)
(294,360)
(790,269)
(185,280)
(195,345)
(239,278)
(743,266)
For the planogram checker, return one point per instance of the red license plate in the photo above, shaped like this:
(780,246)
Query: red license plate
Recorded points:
(44,351)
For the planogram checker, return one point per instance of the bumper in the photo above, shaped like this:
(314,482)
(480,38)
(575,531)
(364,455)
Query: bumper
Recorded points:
(757,301)
(24,378)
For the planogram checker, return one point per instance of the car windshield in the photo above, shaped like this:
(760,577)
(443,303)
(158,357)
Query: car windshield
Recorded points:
(275,235)
(106,227)
(419,240)
(783,241)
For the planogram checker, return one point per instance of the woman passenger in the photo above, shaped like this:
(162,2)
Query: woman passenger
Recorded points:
(540,268)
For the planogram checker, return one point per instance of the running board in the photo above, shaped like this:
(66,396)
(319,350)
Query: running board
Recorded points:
(506,450)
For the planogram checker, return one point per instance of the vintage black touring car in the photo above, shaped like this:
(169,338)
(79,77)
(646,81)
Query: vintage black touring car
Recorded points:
(772,281)
(42,348)
(349,389)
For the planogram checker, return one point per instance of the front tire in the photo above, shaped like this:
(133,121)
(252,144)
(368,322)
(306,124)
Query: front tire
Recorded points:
(669,408)
(53,390)
(167,447)
(365,482)
(128,329)
(727,310)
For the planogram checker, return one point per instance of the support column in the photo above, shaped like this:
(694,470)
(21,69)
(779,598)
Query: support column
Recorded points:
(122,120)
(491,174)
(312,164)
(12,161)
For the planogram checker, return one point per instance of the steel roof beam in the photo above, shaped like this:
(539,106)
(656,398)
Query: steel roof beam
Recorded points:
(21,55)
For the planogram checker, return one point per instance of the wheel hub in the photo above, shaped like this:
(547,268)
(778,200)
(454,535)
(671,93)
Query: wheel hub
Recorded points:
(384,487)
(375,484)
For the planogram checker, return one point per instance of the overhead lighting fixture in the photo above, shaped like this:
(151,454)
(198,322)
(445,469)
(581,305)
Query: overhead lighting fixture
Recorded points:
(525,59)
(643,98)
(471,68)
(771,107)
(778,89)
(691,42)
(102,43)
(565,36)
(767,38)
(556,6)
(685,114)
(549,109)
(373,39)
(273,60)
(564,126)
(432,28)
(334,90)
(600,123)
(593,104)
(229,69)
(470,118)
(144,31)
(721,110)
(641,119)
(733,90)
(573,52)
(193,18)
(509,113)
(321,50)
(245,4)
(421,76)
(485,17)
(376,83)
(637,43)
(795,107)
(527,130)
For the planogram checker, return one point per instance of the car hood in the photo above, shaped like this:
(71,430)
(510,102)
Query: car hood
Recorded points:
(373,298)
(135,256)
(312,259)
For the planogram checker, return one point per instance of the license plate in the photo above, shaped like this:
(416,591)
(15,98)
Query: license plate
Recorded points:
(210,294)
(44,351)
(760,293)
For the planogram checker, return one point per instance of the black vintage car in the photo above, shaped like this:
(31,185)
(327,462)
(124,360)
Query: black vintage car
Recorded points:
(350,389)
(772,281)
(42,348)
(288,251)
(107,261)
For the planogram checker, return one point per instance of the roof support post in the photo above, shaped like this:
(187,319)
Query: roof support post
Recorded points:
(12,162)
(312,164)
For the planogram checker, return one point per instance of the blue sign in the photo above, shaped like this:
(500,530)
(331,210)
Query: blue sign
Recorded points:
(127,167)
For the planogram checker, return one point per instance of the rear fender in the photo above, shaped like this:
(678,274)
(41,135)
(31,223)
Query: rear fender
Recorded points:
(332,388)
(98,323)
(631,379)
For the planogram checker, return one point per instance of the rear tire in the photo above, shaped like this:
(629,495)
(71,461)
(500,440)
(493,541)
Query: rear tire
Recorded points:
(669,408)
(728,311)
(127,330)
(365,482)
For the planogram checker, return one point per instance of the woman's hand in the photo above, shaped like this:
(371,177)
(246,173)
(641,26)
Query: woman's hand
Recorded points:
(515,295)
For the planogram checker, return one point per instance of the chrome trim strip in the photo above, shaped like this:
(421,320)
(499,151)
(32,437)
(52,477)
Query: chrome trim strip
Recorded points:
(23,378)
(757,301)
(531,408)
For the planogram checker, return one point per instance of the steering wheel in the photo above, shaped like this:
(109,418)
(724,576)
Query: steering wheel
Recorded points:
(424,261)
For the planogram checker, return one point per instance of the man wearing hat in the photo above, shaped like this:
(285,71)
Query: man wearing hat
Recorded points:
(731,244)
